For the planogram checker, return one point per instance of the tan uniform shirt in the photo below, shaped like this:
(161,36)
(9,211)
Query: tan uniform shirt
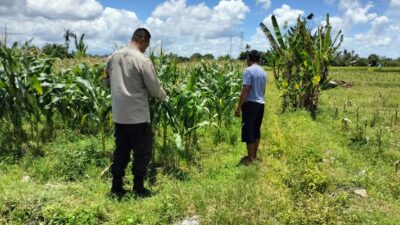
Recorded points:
(132,79)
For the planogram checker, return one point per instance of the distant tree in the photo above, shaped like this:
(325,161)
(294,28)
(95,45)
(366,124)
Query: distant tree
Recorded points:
(80,46)
(196,56)
(361,62)
(385,61)
(68,35)
(224,57)
(266,58)
(208,56)
(242,56)
(373,60)
(56,50)
(247,48)
(346,58)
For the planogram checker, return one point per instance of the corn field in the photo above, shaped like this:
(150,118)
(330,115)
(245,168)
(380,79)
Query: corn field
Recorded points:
(36,100)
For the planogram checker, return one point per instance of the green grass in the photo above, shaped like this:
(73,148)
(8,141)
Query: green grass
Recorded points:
(308,175)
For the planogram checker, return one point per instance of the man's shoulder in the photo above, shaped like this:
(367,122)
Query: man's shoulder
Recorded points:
(255,68)
(260,69)
(131,53)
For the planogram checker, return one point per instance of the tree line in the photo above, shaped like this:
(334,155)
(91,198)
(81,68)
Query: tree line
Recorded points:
(341,58)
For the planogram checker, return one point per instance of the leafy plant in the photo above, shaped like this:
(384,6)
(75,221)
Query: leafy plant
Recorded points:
(300,61)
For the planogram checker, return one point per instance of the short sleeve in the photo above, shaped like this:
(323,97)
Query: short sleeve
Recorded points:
(247,78)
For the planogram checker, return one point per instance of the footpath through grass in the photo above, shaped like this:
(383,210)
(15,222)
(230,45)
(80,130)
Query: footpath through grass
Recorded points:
(309,173)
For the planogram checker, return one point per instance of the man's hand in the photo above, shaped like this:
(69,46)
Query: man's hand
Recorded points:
(237,112)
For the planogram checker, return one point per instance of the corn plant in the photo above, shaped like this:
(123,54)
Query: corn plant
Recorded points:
(162,113)
(221,85)
(21,91)
(184,110)
(82,101)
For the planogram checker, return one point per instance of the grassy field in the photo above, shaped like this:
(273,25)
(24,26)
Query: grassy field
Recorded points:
(310,172)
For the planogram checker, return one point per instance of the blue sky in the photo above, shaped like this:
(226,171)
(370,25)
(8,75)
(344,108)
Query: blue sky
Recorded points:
(188,26)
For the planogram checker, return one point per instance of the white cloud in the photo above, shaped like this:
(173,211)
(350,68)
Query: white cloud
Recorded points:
(336,22)
(266,4)
(169,8)
(111,26)
(11,7)
(181,26)
(369,40)
(355,13)
(365,44)
(283,15)
(380,24)
(64,9)
(395,2)
(259,41)
(380,39)
(186,28)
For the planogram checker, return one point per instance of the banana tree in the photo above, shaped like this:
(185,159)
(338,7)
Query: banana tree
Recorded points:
(301,61)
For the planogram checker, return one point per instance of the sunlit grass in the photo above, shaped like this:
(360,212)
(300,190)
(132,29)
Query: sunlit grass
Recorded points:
(308,175)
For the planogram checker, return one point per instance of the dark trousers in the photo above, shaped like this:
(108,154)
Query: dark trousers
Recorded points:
(252,116)
(138,137)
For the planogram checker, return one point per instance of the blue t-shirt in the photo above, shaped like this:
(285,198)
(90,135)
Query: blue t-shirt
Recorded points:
(255,77)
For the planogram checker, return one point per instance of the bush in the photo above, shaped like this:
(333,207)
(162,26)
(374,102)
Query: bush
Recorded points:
(71,162)
(57,214)
(55,50)
(306,174)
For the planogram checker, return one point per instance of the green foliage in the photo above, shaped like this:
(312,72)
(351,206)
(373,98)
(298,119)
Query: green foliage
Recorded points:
(21,94)
(373,60)
(56,214)
(308,174)
(300,61)
(201,96)
(196,56)
(224,57)
(264,57)
(80,46)
(31,91)
(350,58)
(67,37)
(55,50)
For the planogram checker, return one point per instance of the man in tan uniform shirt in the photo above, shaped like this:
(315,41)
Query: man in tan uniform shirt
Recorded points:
(132,79)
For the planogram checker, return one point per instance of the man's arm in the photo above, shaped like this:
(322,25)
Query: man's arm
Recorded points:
(243,96)
(151,81)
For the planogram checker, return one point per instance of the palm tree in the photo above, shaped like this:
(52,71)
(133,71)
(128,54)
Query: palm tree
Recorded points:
(247,47)
(67,37)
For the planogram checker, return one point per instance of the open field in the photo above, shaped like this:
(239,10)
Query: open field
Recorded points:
(309,173)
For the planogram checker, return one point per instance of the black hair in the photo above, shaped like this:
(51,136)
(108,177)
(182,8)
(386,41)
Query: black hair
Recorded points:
(141,33)
(253,56)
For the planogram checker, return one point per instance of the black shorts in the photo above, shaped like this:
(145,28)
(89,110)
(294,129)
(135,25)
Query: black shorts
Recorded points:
(252,115)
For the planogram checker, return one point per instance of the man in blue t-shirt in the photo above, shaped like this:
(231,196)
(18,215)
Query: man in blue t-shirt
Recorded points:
(251,104)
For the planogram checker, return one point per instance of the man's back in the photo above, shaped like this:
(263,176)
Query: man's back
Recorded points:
(256,78)
(132,78)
